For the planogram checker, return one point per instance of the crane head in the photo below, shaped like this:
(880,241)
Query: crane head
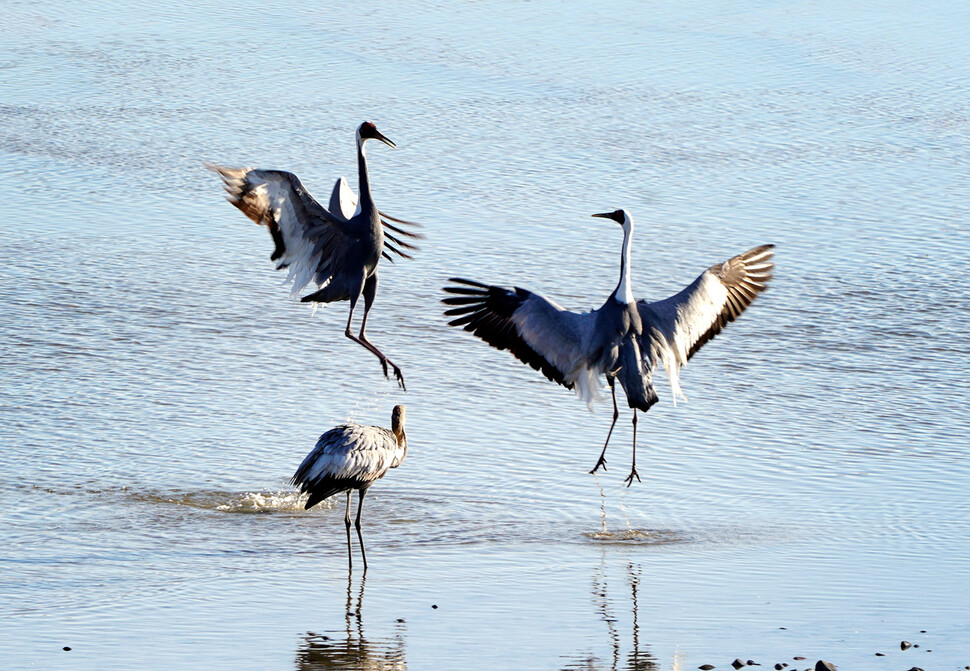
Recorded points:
(397,420)
(368,131)
(619,216)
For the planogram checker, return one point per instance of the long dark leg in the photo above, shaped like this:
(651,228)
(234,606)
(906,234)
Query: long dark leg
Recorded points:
(370,293)
(616,413)
(355,296)
(360,506)
(350,554)
(633,470)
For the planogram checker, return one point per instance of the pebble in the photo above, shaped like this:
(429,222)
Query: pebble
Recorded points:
(916,668)
(915,645)
(922,631)
(434,605)
(751,662)
(822,665)
(400,619)
(780,666)
(67,648)
(706,667)
(798,658)
(903,645)
(880,654)
(737,664)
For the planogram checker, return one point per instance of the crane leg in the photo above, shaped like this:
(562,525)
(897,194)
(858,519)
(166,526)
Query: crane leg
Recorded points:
(633,469)
(350,553)
(360,537)
(616,413)
(370,293)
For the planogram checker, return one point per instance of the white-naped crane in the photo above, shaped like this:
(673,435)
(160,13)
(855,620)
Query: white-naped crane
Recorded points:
(624,340)
(351,457)
(339,248)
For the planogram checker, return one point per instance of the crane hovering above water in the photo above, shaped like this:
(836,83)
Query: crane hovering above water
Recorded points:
(338,248)
(349,457)
(624,339)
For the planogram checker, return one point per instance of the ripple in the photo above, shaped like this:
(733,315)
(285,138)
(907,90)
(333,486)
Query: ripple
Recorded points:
(640,537)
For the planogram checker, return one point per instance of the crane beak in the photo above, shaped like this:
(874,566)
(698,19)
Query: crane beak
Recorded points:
(380,136)
(607,215)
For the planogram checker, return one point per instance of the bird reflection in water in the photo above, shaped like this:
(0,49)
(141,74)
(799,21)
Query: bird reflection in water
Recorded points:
(638,658)
(320,652)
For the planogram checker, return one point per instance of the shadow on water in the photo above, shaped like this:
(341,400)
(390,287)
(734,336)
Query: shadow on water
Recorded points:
(351,649)
(638,657)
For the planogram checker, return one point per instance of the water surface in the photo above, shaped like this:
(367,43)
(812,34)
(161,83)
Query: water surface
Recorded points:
(159,387)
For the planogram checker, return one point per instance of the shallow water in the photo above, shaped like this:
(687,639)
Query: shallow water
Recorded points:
(159,387)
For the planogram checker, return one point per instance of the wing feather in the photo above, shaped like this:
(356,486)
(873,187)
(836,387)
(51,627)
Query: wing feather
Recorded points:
(398,243)
(674,329)
(309,240)
(535,330)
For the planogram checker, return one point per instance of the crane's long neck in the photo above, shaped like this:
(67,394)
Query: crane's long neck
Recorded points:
(364,200)
(624,290)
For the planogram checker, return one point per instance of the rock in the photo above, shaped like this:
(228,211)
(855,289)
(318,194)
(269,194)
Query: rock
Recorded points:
(435,606)
(400,619)
(916,668)
(822,665)
(905,645)
(779,666)
(880,654)
(737,664)
(706,667)
(66,648)
(798,658)
(915,645)
(922,631)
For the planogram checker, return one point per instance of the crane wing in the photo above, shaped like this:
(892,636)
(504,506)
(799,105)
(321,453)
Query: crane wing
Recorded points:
(349,456)
(343,201)
(675,328)
(310,240)
(534,329)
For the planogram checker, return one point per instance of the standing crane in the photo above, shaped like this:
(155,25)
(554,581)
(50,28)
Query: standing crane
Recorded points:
(624,340)
(339,248)
(349,457)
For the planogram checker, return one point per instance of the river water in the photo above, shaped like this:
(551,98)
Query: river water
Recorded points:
(159,387)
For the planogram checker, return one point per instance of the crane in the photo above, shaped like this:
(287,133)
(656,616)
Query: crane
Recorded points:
(349,457)
(338,248)
(624,340)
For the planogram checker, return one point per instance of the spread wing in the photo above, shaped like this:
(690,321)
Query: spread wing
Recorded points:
(675,328)
(310,241)
(535,330)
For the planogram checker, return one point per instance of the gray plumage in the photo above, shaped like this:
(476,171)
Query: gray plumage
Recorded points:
(351,457)
(339,248)
(624,340)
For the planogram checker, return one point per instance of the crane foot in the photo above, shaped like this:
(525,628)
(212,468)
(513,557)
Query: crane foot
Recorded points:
(600,462)
(400,377)
(633,474)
